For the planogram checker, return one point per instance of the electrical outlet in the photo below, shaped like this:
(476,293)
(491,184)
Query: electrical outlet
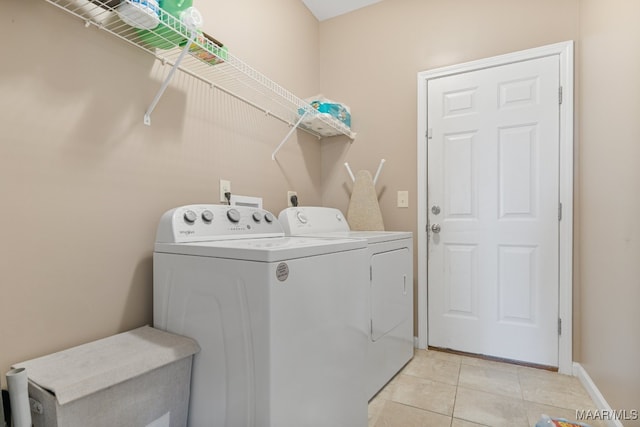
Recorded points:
(403,199)
(225,187)
(289,194)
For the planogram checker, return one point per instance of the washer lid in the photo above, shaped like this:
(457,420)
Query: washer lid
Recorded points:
(264,249)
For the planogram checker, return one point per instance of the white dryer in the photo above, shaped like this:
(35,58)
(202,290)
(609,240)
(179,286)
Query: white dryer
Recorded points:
(389,288)
(278,319)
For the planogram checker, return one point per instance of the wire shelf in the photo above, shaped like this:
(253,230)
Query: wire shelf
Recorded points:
(168,43)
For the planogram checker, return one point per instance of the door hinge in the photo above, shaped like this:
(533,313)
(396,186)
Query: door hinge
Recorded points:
(559,211)
(559,326)
(560,95)
(430,133)
(371,273)
(371,327)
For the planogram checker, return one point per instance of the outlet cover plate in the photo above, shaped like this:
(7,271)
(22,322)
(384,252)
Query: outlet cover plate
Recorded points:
(225,186)
(289,194)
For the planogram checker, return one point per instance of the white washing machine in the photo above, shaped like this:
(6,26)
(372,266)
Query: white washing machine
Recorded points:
(278,319)
(389,288)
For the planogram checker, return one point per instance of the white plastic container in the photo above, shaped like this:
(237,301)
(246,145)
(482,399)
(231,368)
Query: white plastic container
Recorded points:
(143,14)
(17,385)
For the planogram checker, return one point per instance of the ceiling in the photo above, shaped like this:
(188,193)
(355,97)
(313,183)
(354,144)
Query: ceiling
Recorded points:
(327,9)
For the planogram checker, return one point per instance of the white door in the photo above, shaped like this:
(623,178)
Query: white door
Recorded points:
(493,206)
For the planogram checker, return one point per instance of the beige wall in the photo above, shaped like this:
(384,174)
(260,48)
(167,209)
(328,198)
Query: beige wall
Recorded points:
(83,182)
(609,248)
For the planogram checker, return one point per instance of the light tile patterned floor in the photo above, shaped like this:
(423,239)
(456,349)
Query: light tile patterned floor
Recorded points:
(438,389)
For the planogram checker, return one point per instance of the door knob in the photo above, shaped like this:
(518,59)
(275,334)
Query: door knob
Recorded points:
(435,228)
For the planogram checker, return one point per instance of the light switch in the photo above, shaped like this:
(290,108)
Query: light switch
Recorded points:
(403,199)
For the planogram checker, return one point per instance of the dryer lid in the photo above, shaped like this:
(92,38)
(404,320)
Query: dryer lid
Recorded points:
(370,236)
(319,221)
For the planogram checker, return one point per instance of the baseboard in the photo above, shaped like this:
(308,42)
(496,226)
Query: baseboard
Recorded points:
(596,396)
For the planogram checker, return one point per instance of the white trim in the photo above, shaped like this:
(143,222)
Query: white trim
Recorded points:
(422,209)
(565,52)
(594,393)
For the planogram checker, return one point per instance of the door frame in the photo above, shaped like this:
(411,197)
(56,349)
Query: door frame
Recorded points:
(565,297)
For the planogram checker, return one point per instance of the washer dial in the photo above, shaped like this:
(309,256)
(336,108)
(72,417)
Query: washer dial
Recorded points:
(233,215)
(207,216)
(190,217)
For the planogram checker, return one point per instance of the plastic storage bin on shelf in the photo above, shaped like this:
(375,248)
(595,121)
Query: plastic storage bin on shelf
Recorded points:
(208,49)
(325,109)
(143,14)
(165,35)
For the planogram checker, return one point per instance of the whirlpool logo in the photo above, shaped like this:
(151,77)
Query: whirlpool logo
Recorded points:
(282,271)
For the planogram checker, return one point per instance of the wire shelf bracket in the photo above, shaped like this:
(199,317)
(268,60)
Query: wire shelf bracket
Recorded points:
(293,128)
(167,80)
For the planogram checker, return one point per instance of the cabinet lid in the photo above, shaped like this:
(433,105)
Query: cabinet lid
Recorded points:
(86,369)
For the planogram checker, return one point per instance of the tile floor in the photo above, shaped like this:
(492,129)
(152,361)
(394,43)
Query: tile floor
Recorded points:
(437,389)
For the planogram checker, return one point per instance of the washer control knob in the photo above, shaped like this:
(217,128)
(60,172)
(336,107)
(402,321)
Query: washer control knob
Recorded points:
(268,217)
(301,217)
(233,215)
(257,216)
(207,216)
(339,217)
(190,217)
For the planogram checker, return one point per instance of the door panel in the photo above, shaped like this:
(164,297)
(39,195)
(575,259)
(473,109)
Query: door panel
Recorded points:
(517,165)
(493,170)
(459,178)
(516,284)
(461,279)
(390,291)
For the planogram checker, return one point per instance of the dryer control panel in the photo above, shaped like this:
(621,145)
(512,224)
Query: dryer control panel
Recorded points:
(312,219)
(199,223)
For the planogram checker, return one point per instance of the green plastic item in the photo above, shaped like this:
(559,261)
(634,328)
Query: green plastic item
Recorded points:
(164,36)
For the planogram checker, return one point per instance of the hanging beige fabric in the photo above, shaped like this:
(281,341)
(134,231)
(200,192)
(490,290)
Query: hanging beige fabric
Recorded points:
(364,211)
